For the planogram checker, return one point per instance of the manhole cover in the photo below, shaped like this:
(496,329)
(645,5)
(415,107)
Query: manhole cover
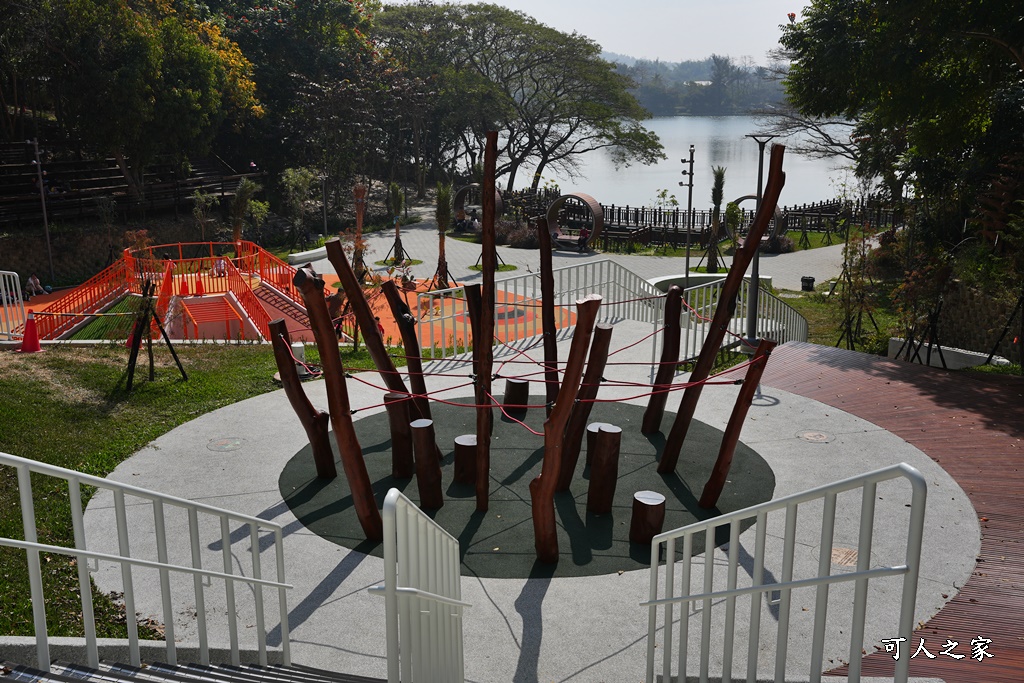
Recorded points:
(815,437)
(844,557)
(230,443)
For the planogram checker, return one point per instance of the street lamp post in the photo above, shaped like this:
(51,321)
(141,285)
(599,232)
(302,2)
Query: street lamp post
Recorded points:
(42,201)
(755,276)
(689,213)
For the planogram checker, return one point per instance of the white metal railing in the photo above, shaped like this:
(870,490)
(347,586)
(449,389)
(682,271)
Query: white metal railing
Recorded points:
(671,594)
(423,596)
(129,558)
(776,319)
(12,307)
(445,330)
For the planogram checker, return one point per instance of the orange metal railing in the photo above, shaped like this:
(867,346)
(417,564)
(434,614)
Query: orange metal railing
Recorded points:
(100,291)
(239,286)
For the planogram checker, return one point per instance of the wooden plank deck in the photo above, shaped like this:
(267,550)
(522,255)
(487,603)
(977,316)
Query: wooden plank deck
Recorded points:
(972,424)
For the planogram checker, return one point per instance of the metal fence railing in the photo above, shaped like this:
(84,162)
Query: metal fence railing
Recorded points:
(671,581)
(169,513)
(423,596)
(12,307)
(444,326)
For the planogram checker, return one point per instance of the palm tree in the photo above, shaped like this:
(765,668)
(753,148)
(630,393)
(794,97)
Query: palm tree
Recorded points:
(395,203)
(443,215)
(717,194)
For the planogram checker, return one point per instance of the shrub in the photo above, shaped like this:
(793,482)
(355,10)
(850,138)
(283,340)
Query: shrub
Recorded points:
(524,237)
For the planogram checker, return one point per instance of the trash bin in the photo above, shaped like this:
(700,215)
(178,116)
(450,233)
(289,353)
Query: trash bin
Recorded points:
(807,283)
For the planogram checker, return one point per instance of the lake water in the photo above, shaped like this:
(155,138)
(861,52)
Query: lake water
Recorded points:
(717,141)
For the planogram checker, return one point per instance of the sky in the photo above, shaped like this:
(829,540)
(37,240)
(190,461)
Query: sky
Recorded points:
(669,30)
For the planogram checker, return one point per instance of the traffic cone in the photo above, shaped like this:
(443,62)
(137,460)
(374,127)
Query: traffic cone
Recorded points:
(30,342)
(128,343)
(200,289)
(184,287)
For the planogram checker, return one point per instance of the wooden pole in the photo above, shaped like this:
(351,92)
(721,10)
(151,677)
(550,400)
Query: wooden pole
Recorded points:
(315,422)
(604,470)
(399,418)
(311,287)
(547,313)
(669,360)
(407,326)
(428,468)
(542,488)
(723,313)
(482,343)
(361,309)
(584,404)
(719,474)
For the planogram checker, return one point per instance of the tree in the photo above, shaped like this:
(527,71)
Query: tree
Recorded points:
(140,80)
(935,88)
(297,183)
(549,93)
(443,216)
(242,204)
(717,195)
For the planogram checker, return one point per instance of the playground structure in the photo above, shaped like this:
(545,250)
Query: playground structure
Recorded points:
(568,392)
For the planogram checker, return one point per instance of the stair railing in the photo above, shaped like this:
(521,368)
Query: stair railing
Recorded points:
(130,557)
(823,503)
(12,307)
(422,596)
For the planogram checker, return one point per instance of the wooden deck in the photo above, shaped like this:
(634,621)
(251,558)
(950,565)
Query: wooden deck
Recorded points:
(972,424)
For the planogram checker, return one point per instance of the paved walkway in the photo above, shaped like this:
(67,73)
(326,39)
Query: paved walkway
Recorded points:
(573,629)
(420,242)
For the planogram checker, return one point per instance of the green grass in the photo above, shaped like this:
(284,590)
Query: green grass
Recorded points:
(825,317)
(503,268)
(406,262)
(115,327)
(68,407)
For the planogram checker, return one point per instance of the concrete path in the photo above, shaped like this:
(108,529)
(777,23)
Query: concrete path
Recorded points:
(420,242)
(573,629)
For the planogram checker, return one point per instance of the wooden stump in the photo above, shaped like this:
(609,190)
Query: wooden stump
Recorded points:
(428,469)
(465,459)
(604,469)
(592,429)
(397,405)
(517,394)
(648,516)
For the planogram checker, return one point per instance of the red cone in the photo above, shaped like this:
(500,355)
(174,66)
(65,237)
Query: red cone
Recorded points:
(30,342)
(200,289)
(184,287)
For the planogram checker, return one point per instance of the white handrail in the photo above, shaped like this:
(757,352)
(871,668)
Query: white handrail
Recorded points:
(12,307)
(423,596)
(671,595)
(128,558)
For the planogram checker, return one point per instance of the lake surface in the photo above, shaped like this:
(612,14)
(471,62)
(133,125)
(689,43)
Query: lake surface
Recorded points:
(717,141)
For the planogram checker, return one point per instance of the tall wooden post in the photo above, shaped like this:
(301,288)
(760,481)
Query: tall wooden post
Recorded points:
(484,416)
(401,437)
(361,309)
(723,313)
(542,488)
(547,313)
(584,404)
(312,420)
(669,360)
(311,287)
(407,326)
(719,474)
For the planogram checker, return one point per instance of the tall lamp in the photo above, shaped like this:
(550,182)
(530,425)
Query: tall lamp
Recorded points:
(689,213)
(755,277)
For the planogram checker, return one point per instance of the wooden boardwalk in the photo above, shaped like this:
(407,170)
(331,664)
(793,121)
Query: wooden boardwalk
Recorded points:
(972,424)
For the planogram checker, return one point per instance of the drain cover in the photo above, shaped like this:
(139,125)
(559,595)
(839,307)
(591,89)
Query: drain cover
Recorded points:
(230,443)
(844,557)
(815,437)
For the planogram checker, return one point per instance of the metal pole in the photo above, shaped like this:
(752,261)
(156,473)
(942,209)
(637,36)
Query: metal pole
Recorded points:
(323,197)
(42,200)
(689,214)
(755,278)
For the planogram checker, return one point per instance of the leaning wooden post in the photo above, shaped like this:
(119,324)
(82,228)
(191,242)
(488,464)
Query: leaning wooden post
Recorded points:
(547,313)
(669,360)
(484,416)
(723,313)
(311,287)
(407,326)
(542,488)
(401,438)
(584,404)
(361,309)
(313,421)
(428,468)
(716,482)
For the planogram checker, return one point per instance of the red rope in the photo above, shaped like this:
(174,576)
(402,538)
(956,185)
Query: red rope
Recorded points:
(505,413)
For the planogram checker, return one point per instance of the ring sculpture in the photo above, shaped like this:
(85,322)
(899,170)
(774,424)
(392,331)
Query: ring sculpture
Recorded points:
(459,201)
(596,213)
(778,228)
